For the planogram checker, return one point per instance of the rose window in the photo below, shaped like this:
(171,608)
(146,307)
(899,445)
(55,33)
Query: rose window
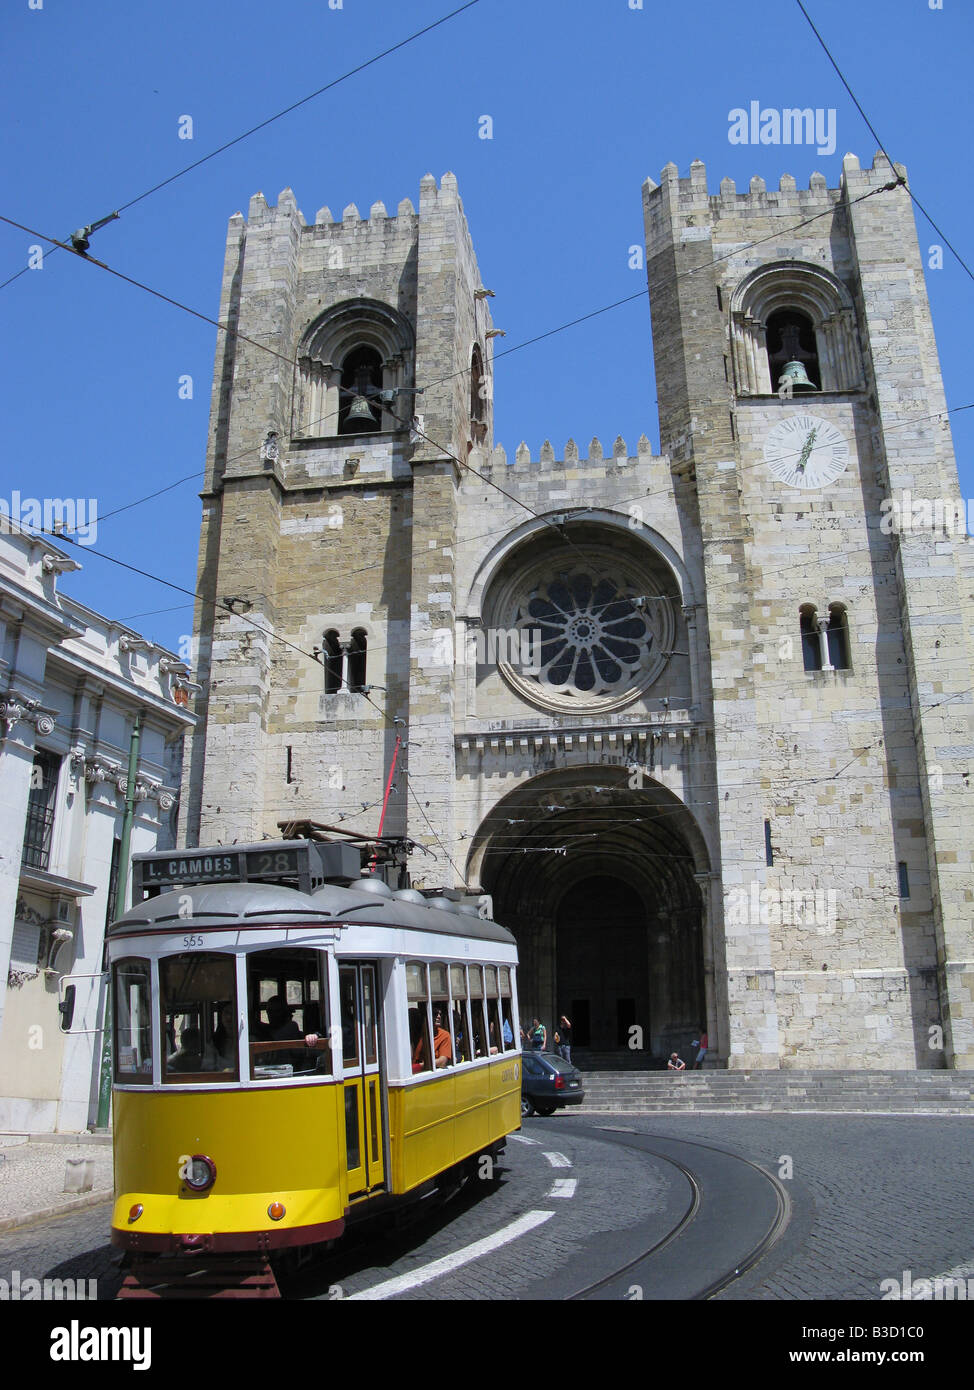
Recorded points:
(587,634)
(584,633)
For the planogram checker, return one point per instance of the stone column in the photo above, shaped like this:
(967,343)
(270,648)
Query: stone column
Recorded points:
(16,762)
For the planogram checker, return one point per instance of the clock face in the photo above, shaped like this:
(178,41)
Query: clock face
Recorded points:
(806,451)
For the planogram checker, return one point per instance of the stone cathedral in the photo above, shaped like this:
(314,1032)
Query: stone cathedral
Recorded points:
(699,722)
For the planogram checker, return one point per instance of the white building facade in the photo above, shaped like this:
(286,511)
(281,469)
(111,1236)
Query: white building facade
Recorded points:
(74,685)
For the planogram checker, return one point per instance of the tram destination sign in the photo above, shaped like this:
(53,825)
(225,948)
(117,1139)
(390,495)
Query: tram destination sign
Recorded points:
(190,868)
(302,863)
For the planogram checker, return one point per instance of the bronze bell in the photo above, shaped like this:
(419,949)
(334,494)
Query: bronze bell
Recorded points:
(795,375)
(360,412)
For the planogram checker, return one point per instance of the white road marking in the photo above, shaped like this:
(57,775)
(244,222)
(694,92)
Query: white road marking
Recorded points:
(563,1187)
(427,1273)
(522,1140)
(558,1160)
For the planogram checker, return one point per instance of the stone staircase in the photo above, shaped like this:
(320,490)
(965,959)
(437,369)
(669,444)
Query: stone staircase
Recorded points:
(882,1092)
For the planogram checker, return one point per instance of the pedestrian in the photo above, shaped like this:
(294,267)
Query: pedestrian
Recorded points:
(701,1043)
(539,1035)
(676,1063)
(563,1038)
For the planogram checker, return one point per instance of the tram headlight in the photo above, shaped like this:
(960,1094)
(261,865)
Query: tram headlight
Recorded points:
(200,1173)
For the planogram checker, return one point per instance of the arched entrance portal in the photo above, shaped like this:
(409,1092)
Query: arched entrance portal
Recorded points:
(602,962)
(602,886)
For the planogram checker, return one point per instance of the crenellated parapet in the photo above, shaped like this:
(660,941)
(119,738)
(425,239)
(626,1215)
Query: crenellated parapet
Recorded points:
(260,213)
(688,202)
(598,457)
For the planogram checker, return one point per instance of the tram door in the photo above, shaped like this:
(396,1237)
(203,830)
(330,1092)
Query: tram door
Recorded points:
(364,1150)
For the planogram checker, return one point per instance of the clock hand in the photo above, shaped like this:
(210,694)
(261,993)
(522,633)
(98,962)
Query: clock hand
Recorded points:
(806,450)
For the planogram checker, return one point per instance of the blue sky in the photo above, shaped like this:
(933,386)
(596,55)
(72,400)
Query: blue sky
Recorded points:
(587,98)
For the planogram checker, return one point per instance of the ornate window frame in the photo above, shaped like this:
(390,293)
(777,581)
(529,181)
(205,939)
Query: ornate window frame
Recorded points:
(505,609)
(354,323)
(812,291)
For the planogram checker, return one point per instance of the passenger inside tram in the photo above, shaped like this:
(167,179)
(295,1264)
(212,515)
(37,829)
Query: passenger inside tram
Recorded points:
(221,1053)
(459,1035)
(442,1044)
(189,1056)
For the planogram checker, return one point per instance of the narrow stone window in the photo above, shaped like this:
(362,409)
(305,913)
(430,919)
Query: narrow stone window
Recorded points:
(811,645)
(334,659)
(768,851)
(478,404)
(39,831)
(799,313)
(904,878)
(356,659)
(838,637)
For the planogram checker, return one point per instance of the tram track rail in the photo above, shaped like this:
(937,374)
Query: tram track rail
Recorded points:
(704,1216)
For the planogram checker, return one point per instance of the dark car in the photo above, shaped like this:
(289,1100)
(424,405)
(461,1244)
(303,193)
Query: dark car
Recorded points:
(547,1083)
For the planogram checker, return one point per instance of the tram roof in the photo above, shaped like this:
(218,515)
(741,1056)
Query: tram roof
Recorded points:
(224,904)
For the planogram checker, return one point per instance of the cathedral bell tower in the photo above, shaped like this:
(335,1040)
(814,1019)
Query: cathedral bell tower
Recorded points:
(353,383)
(800,404)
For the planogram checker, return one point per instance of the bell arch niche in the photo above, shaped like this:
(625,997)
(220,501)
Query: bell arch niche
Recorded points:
(358,347)
(799,308)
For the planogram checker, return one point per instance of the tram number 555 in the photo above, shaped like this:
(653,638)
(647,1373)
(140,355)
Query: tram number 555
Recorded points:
(193,940)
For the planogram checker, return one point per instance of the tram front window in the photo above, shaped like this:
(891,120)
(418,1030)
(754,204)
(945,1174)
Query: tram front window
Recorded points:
(133,1026)
(198,996)
(289,1027)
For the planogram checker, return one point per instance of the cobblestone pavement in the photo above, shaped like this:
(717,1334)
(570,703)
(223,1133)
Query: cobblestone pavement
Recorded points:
(567,1250)
(32,1176)
(872,1197)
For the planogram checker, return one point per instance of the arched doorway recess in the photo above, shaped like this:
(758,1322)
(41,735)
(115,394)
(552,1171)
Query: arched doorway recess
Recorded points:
(600,883)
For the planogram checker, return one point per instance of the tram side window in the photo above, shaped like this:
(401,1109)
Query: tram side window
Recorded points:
(476,982)
(508,1032)
(419,1033)
(493,1013)
(460,1022)
(133,1023)
(198,998)
(288,1004)
(444,1044)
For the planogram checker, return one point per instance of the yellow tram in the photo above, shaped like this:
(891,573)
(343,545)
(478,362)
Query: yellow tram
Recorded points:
(295,1045)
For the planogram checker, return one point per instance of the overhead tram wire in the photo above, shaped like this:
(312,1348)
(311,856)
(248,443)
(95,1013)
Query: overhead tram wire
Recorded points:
(715,786)
(216,603)
(517,347)
(486,535)
(620,502)
(335,82)
(449,453)
(872,130)
(558,528)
